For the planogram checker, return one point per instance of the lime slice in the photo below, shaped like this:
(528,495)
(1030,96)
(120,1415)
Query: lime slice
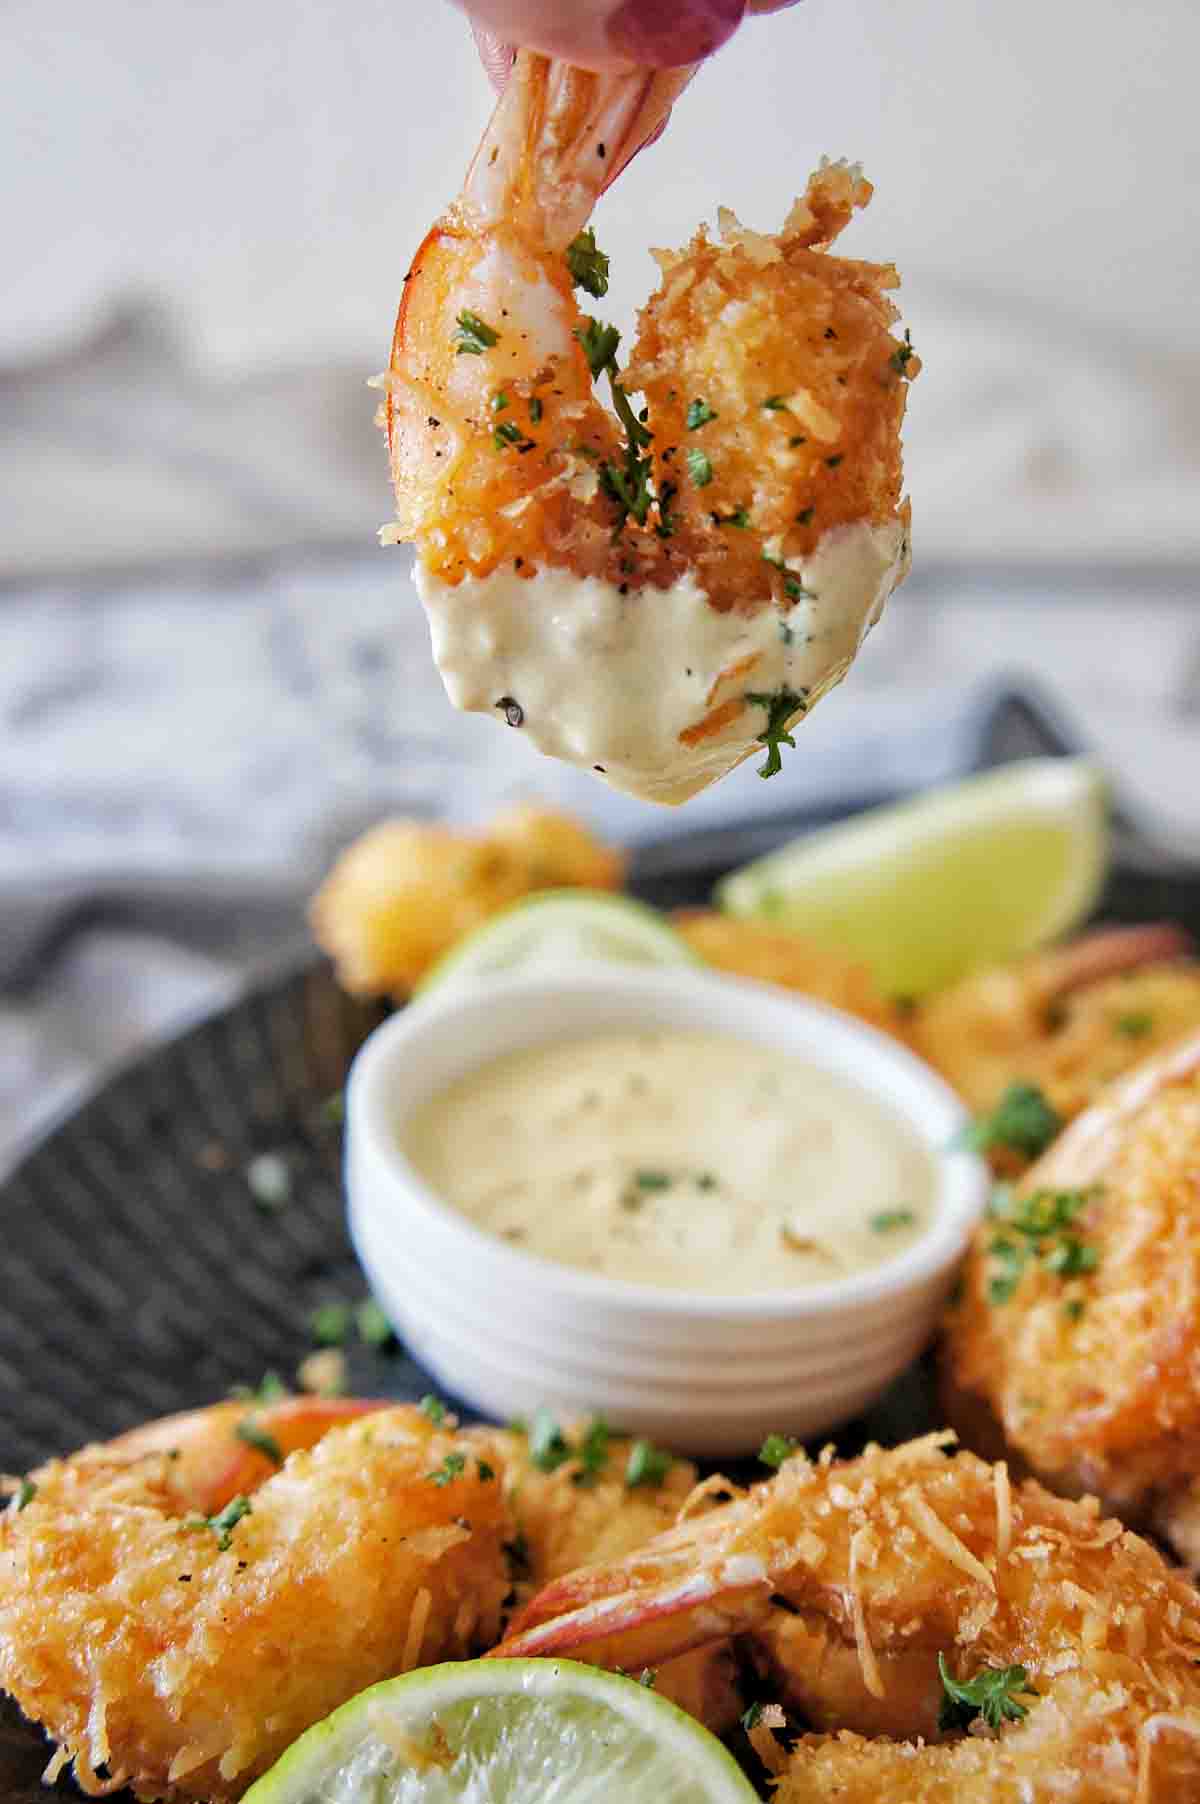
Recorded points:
(928,890)
(562,927)
(506,1732)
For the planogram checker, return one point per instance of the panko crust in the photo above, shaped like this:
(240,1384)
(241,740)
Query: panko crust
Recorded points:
(750,949)
(156,1659)
(405,891)
(1094,1378)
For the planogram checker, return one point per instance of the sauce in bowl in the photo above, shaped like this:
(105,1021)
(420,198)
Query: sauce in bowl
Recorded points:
(690,1160)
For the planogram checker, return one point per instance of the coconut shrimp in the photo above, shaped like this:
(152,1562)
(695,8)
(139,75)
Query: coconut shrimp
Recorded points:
(1067,1020)
(178,1605)
(655,592)
(1079,1319)
(774,955)
(872,1589)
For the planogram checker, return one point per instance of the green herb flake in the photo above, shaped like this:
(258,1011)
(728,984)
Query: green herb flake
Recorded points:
(270,1181)
(699,467)
(486,1473)
(271,1390)
(707,1180)
(593,1451)
(699,413)
(780,705)
(888,1220)
(331,1324)
(509,433)
(1135,1025)
(535,409)
(374,1329)
(599,345)
(333,1109)
(903,355)
(992,1694)
(452,1467)
(499,401)
(805,516)
(647,1465)
(776,404)
(1074,1308)
(224,1523)
(833,462)
(1022,1120)
(249,1431)
(588,264)
(776,1449)
(474,336)
(653,1180)
(24,1495)
(434,1408)
(750,1717)
(648,1677)
(740,517)
(548,1448)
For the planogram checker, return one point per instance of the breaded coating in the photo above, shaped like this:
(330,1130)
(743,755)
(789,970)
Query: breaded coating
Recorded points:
(181,1653)
(886,1563)
(1079,1319)
(1068,1020)
(749,949)
(402,894)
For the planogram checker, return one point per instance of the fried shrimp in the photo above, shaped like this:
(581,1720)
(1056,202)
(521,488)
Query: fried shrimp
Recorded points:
(407,890)
(1079,1319)
(177,1606)
(652,593)
(1067,1020)
(904,1597)
(750,949)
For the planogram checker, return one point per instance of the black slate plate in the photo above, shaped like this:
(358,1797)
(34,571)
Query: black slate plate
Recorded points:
(140,1274)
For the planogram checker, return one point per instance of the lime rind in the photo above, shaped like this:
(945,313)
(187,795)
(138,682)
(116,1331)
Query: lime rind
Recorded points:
(932,888)
(506,1732)
(561,928)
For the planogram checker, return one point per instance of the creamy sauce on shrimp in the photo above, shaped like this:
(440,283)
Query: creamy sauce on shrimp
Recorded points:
(619,683)
(693,1161)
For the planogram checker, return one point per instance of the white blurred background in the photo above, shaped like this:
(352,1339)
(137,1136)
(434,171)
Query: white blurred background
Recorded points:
(209,674)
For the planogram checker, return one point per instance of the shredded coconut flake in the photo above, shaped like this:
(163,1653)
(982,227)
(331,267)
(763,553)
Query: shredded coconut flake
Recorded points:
(926,1519)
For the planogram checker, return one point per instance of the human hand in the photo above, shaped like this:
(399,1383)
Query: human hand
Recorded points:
(607,34)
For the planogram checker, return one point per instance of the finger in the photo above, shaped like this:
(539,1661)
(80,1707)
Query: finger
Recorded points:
(606,34)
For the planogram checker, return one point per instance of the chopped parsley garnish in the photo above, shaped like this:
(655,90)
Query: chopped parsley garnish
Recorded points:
(331,1324)
(1135,1025)
(992,1694)
(648,1677)
(707,1180)
(833,462)
(903,355)
(374,1329)
(486,1472)
(780,706)
(1044,1224)
(535,409)
(270,1390)
(776,404)
(699,467)
(699,413)
(499,401)
(739,517)
(548,1448)
(452,1467)
(599,345)
(509,433)
(652,1180)
(1074,1308)
(750,1717)
(25,1493)
(249,1431)
(889,1219)
(593,1450)
(1022,1120)
(474,336)
(270,1180)
(226,1520)
(647,1465)
(433,1407)
(588,264)
(775,1449)
(804,517)
(333,1109)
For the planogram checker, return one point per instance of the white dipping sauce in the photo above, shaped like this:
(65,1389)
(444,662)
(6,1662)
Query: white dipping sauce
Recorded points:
(618,683)
(689,1160)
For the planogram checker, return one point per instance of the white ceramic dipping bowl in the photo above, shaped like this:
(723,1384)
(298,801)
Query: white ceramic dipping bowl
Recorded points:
(507,1331)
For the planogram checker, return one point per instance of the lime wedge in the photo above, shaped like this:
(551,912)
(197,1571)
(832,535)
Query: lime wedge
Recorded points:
(930,889)
(506,1732)
(562,928)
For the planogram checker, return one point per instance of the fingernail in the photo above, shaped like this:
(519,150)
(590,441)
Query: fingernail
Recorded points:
(664,34)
